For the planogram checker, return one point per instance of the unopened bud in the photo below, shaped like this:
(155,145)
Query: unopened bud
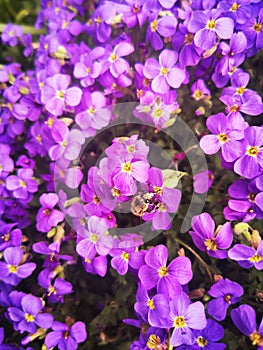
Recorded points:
(197,293)
(241,228)
(217,278)
(255,239)
(181,252)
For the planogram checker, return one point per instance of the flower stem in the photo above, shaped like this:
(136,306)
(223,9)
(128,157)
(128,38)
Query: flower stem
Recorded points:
(202,262)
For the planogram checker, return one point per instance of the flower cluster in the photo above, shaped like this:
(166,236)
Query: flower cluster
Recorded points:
(61,202)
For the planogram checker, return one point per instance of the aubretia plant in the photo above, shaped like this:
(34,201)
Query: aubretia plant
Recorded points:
(111,215)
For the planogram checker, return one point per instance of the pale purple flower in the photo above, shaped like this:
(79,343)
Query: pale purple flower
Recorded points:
(12,271)
(246,256)
(207,239)
(56,94)
(207,25)
(22,185)
(165,73)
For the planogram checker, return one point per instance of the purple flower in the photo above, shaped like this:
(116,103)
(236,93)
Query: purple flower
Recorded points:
(68,142)
(165,26)
(96,265)
(246,200)
(8,236)
(47,216)
(11,34)
(93,114)
(164,74)
(126,255)
(52,253)
(134,12)
(30,315)
(207,239)
(96,239)
(206,338)
(56,94)
(154,338)
(113,60)
(199,90)
(64,337)
(244,318)
(253,30)
(251,162)
(12,271)
(201,185)
(168,279)
(247,257)
(238,10)
(184,318)
(153,310)
(226,293)
(225,137)
(55,290)
(23,184)
(207,25)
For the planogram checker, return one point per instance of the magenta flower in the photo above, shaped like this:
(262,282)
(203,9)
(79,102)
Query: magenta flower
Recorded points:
(66,338)
(96,239)
(226,137)
(47,216)
(226,293)
(164,74)
(168,279)
(207,25)
(185,317)
(12,271)
(246,256)
(207,239)
(11,33)
(134,12)
(68,142)
(30,315)
(250,163)
(113,60)
(127,171)
(201,185)
(126,255)
(22,185)
(56,94)
(9,236)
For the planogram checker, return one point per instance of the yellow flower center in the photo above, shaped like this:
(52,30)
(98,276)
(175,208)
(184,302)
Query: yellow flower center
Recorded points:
(154,25)
(91,110)
(94,238)
(157,113)
(6,237)
(130,148)
(234,108)
(29,318)
(256,258)
(223,138)
(197,94)
(210,244)
(51,290)
(164,71)
(39,139)
(136,9)
(150,304)
(211,24)
(228,298)
(125,256)
(234,7)
(163,271)
(153,341)
(12,268)
(60,94)
(88,70)
(97,20)
(256,339)
(113,57)
(252,151)
(22,183)
(240,90)
(64,143)
(46,212)
(179,322)
(258,27)
(251,197)
(126,167)
(115,192)
(202,342)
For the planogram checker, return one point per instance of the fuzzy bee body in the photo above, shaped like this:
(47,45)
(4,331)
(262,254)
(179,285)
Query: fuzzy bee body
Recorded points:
(144,202)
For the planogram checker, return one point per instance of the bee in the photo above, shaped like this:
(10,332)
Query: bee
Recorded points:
(144,202)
